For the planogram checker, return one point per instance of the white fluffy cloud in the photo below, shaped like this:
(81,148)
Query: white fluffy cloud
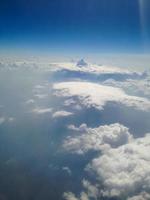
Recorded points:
(42,110)
(126,169)
(142,196)
(123,166)
(61,113)
(96,95)
(136,87)
(30,101)
(90,191)
(67,169)
(70,196)
(91,68)
(99,138)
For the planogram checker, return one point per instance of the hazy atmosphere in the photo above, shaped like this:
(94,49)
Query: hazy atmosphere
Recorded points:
(74,100)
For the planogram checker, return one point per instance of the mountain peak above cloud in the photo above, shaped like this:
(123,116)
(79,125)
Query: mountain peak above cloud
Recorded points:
(81,63)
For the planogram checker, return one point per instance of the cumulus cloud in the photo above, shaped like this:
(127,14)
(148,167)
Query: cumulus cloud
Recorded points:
(125,169)
(136,87)
(89,192)
(96,139)
(67,169)
(142,196)
(91,68)
(70,196)
(25,64)
(30,101)
(92,72)
(41,91)
(121,169)
(42,110)
(96,95)
(61,113)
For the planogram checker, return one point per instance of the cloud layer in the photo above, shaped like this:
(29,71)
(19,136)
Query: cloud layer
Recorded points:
(122,167)
(97,139)
(96,95)
(61,113)
(126,168)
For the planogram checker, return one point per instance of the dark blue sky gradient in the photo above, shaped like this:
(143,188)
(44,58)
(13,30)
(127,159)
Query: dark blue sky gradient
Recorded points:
(88,25)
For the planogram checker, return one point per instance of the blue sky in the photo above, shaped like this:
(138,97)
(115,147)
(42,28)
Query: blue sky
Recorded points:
(92,26)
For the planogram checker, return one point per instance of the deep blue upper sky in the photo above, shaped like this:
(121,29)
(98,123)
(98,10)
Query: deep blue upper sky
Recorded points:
(75,25)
